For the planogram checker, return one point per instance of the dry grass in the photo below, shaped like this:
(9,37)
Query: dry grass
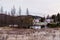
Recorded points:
(29,34)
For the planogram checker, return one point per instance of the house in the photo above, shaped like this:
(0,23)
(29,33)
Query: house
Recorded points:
(37,24)
(36,19)
(49,20)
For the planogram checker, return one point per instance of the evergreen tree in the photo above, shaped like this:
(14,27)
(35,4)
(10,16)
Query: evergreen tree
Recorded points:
(54,17)
(58,17)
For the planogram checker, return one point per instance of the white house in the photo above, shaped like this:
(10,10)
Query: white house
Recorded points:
(36,20)
(37,24)
(49,20)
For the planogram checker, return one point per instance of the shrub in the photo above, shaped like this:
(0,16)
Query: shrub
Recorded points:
(58,24)
(52,25)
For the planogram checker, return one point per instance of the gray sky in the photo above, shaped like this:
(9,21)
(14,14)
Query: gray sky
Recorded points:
(36,7)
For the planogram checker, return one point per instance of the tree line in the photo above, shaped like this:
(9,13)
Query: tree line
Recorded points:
(10,18)
(56,17)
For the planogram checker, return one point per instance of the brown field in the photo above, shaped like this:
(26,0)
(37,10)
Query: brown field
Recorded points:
(7,33)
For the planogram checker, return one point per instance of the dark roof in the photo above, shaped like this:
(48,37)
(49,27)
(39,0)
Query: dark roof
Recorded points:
(30,16)
(35,16)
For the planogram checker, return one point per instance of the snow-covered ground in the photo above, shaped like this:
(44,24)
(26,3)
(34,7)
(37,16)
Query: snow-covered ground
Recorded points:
(30,34)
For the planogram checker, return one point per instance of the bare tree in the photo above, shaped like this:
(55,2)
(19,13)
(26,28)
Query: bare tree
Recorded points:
(13,11)
(6,12)
(1,10)
(48,16)
(19,11)
(5,19)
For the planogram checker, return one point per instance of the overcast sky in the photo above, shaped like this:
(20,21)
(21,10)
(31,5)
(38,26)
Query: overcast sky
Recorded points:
(36,7)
